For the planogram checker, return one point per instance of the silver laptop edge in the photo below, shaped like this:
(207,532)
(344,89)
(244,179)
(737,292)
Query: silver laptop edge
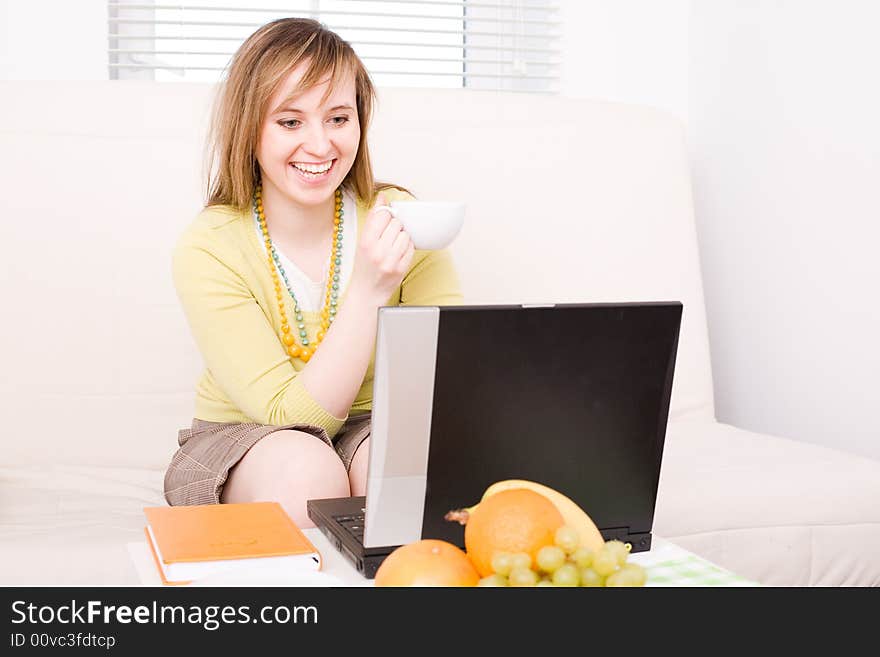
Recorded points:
(406,356)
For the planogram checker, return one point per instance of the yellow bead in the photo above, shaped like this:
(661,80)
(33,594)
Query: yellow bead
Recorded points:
(288,339)
(325,324)
(325,314)
(321,335)
(305,355)
(293,351)
(285,327)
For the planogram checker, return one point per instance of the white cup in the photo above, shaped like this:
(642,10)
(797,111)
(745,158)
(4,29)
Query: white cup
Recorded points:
(430,224)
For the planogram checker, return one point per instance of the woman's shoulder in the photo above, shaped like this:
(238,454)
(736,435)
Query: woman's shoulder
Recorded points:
(212,225)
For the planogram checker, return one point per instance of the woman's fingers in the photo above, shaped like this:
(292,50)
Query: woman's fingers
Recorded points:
(398,250)
(392,230)
(377,221)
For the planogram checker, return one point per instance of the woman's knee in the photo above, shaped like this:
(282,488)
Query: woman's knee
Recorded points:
(289,467)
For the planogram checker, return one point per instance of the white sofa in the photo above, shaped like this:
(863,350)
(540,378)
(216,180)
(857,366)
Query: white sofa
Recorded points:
(569,201)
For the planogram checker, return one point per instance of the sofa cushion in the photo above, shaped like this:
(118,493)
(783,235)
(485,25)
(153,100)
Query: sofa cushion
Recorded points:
(771,509)
(68,525)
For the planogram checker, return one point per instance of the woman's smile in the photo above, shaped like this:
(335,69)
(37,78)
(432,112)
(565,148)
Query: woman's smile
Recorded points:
(314,173)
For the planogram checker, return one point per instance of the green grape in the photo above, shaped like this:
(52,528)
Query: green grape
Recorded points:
(520,560)
(549,558)
(493,580)
(590,577)
(623,577)
(567,538)
(583,557)
(544,582)
(502,563)
(567,575)
(618,549)
(636,572)
(522,577)
(604,562)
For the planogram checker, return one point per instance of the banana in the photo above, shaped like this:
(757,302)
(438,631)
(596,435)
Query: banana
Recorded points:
(573,515)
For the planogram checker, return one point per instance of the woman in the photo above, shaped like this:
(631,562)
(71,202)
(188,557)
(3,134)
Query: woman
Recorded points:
(282,274)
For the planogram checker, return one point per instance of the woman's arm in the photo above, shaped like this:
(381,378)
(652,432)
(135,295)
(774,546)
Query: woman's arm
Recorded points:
(335,373)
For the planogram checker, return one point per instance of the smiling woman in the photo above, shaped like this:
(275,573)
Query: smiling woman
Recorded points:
(282,274)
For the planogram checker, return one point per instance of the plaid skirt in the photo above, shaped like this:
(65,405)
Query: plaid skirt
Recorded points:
(209,450)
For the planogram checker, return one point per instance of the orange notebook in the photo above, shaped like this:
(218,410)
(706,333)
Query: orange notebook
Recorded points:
(193,542)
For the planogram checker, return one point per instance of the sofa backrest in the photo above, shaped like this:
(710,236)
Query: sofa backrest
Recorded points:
(568,201)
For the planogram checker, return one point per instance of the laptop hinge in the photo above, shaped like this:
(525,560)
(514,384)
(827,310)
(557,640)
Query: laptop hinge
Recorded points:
(640,541)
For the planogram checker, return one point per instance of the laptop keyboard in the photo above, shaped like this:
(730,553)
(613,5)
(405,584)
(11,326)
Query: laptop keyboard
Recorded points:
(353,524)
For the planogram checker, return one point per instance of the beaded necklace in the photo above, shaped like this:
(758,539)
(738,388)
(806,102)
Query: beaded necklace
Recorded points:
(328,314)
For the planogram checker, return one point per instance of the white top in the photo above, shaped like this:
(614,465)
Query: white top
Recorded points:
(310,294)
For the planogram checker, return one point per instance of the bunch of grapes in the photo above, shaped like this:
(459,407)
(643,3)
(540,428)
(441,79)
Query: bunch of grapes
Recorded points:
(566,563)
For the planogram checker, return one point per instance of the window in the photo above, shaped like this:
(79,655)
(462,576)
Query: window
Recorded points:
(492,44)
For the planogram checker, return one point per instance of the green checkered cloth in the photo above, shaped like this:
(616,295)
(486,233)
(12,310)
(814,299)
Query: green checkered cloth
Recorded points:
(690,570)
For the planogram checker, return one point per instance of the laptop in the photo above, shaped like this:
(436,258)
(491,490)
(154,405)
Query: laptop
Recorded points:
(573,396)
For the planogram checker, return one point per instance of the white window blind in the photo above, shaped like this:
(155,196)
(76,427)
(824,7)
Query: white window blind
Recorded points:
(489,44)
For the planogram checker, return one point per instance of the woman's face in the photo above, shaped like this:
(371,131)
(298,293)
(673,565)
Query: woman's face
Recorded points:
(307,148)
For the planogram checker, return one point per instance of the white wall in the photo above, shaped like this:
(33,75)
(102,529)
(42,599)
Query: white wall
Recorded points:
(631,51)
(53,40)
(785,142)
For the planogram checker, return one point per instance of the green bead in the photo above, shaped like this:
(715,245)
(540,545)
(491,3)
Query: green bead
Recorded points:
(299,316)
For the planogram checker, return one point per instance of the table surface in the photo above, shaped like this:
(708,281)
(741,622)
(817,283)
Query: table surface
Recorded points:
(667,564)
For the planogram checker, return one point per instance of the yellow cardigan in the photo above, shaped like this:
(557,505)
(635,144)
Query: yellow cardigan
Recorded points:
(224,285)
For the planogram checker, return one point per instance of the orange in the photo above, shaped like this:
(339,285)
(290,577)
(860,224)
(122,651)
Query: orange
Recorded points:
(516,520)
(427,563)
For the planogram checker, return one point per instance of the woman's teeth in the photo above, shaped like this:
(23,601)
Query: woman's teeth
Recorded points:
(313,171)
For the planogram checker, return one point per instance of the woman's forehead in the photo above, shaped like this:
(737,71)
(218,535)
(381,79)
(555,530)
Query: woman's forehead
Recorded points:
(325,92)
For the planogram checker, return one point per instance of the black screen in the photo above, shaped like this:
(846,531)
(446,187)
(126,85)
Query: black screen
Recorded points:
(575,397)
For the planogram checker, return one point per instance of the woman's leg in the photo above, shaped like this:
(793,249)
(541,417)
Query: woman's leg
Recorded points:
(288,467)
(357,473)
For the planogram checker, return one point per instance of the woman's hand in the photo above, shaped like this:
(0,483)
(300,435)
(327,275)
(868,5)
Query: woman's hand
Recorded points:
(384,254)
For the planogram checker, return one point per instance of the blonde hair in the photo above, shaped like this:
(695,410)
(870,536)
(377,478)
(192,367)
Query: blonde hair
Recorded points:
(257,69)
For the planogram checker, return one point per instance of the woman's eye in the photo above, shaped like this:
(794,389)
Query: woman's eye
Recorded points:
(285,123)
(340,120)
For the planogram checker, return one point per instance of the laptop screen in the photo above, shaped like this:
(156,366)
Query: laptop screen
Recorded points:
(575,397)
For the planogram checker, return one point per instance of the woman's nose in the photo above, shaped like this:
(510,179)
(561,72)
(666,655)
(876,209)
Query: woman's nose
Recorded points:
(317,140)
